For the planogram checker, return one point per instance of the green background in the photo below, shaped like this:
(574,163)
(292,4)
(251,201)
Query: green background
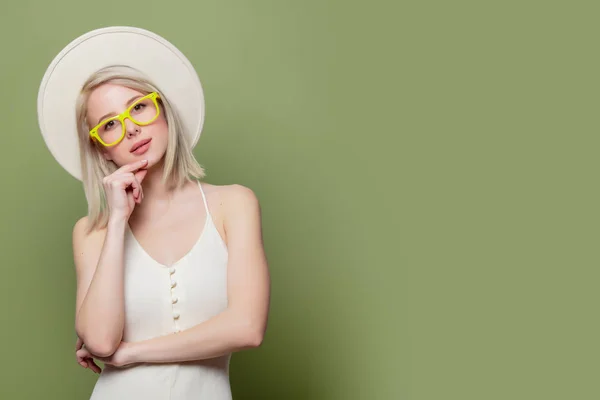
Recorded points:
(428,178)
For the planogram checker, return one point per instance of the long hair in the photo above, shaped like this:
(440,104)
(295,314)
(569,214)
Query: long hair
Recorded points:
(179,162)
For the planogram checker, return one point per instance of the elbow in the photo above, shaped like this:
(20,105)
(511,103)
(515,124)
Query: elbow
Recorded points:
(253,337)
(99,344)
(101,348)
(247,328)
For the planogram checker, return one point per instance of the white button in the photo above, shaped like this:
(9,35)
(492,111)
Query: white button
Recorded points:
(175,315)
(173,283)
(174,299)
(172,270)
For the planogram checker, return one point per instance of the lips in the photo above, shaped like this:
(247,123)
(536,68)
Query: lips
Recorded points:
(139,144)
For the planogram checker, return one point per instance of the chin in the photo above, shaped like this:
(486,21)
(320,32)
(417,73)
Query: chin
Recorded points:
(152,157)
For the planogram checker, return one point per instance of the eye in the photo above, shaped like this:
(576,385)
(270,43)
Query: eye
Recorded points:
(109,125)
(139,106)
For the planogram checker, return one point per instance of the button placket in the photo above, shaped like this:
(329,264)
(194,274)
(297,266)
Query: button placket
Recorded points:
(174,298)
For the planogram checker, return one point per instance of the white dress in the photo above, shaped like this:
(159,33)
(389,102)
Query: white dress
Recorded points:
(162,300)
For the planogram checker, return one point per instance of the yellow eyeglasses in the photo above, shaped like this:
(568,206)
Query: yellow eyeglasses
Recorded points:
(143,111)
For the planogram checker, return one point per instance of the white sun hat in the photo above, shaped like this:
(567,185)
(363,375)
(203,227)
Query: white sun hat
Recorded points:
(143,50)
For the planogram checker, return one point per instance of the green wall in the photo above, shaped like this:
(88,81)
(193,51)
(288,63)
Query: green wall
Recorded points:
(428,178)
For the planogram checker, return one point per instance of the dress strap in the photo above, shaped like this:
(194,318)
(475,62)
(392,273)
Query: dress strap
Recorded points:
(204,199)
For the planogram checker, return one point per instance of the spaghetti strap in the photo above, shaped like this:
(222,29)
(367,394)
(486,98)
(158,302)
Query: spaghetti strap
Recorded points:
(204,199)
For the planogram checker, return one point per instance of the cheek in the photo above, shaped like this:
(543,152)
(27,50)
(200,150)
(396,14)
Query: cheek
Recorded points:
(161,125)
(118,153)
(159,130)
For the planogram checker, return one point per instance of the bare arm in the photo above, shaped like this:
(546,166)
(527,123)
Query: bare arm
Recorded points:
(100,314)
(242,325)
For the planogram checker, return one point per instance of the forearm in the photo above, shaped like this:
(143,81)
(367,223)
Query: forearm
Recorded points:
(101,317)
(220,335)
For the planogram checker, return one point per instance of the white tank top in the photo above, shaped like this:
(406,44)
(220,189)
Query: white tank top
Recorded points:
(162,300)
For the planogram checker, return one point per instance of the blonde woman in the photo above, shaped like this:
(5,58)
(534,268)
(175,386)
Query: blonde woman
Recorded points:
(171,272)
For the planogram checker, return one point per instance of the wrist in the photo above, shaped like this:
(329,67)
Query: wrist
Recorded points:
(131,353)
(117,221)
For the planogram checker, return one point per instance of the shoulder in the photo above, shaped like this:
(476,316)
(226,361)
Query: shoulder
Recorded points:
(240,195)
(86,240)
(82,228)
(240,200)
(231,195)
(234,200)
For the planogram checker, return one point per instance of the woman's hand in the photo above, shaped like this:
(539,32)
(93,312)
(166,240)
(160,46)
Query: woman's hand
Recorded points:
(85,361)
(124,190)
(120,358)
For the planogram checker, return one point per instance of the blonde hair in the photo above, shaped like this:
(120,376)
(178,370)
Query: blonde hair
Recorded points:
(179,163)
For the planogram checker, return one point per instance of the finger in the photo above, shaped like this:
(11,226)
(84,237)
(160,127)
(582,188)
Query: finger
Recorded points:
(131,201)
(85,359)
(136,189)
(129,180)
(126,181)
(93,366)
(140,175)
(83,353)
(132,166)
(82,362)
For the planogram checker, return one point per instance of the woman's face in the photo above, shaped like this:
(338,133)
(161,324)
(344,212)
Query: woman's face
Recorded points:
(109,100)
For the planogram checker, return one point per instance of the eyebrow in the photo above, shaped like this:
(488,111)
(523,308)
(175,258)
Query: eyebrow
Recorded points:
(131,100)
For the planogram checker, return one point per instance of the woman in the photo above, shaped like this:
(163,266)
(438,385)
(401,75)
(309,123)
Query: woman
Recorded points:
(171,272)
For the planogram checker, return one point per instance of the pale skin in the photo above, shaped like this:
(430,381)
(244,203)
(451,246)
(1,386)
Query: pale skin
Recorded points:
(166,223)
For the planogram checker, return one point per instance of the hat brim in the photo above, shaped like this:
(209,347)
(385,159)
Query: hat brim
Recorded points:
(143,50)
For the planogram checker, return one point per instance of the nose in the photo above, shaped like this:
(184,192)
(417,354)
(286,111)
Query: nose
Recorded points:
(131,128)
